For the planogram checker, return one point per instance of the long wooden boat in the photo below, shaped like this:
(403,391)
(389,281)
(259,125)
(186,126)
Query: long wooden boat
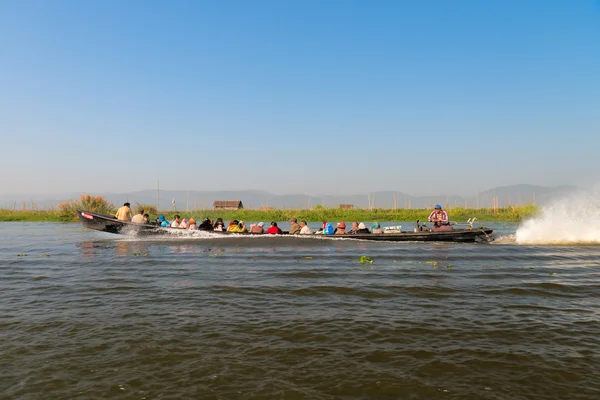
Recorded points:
(108,223)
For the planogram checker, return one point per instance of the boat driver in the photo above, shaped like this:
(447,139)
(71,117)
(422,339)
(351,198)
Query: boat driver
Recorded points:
(438,216)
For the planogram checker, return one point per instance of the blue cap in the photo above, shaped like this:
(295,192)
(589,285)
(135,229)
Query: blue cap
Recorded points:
(437,206)
(161,217)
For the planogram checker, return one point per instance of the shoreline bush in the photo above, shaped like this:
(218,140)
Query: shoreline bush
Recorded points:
(68,209)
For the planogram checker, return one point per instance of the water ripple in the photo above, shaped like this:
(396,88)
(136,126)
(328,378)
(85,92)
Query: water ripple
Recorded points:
(85,316)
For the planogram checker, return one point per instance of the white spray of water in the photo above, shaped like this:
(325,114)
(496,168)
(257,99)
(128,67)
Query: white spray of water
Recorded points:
(571,220)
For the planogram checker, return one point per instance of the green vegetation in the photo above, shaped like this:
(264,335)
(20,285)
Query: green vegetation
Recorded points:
(68,209)
(32,216)
(66,212)
(514,214)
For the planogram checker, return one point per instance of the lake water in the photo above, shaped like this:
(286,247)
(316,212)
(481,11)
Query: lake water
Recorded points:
(86,315)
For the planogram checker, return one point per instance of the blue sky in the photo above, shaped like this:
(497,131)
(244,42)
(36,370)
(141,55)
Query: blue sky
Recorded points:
(308,96)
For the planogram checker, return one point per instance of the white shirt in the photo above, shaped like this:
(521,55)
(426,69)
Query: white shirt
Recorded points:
(174,224)
(305,230)
(138,219)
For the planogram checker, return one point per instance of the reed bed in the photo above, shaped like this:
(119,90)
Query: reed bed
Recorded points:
(508,214)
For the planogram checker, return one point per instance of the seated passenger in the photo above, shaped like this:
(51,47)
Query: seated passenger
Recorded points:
(340,229)
(328,229)
(183,224)
(139,217)
(219,225)
(294,227)
(237,227)
(438,216)
(376,228)
(192,224)
(354,228)
(320,230)
(304,229)
(233,226)
(146,219)
(206,225)
(176,222)
(362,229)
(258,228)
(274,229)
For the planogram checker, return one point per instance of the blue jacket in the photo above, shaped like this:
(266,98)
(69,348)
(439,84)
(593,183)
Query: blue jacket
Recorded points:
(328,230)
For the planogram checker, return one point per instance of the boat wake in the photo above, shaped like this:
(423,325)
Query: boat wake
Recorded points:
(504,239)
(568,221)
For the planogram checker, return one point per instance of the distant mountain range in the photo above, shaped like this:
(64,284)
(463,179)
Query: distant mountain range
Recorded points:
(507,195)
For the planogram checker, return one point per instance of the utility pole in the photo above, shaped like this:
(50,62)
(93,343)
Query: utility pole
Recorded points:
(157,195)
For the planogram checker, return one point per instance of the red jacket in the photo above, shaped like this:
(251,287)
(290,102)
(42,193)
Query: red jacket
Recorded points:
(274,230)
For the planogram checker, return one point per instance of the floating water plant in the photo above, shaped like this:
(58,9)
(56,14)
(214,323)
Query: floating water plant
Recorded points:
(365,260)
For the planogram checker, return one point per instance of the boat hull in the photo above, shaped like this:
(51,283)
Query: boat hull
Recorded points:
(109,224)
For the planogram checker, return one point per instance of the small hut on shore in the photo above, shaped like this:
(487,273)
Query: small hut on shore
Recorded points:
(228,205)
(347,206)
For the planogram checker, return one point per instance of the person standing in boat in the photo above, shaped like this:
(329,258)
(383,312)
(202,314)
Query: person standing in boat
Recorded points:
(124,213)
(294,227)
(438,216)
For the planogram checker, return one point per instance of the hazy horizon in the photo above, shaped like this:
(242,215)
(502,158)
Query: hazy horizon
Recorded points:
(299,192)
